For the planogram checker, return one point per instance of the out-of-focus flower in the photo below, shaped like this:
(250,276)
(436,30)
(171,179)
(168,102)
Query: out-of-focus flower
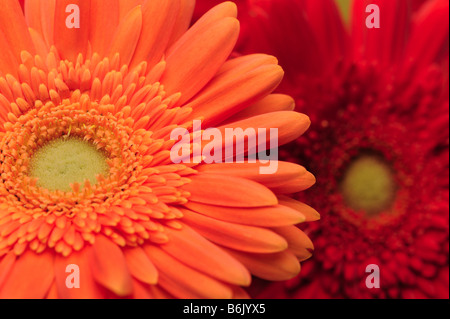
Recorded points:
(379,143)
(87,179)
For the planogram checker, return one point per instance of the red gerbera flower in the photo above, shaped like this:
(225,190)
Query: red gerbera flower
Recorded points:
(379,104)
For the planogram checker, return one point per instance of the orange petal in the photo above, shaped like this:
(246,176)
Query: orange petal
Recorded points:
(109,267)
(6,265)
(52,292)
(192,65)
(290,125)
(158,20)
(239,293)
(160,293)
(265,216)
(246,63)
(140,266)
(47,14)
(8,62)
(286,171)
(222,190)
(127,36)
(189,247)
(104,22)
(183,20)
(12,23)
(302,255)
(71,41)
(243,83)
(269,104)
(39,43)
(141,291)
(30,278)
(275,267)
(299,243)
(32,11)
(183,281)
(239,237)
(298,184)
(126,6)
(310,213)
(89,289)
(223,10)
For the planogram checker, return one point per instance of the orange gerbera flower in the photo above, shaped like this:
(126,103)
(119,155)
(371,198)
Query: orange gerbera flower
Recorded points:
(86,175)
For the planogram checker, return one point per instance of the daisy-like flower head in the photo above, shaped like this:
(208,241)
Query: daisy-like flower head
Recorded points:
(379,143)
(87,180)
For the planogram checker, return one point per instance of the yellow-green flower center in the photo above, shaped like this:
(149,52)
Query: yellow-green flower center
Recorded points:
(66,161)
(368,185)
